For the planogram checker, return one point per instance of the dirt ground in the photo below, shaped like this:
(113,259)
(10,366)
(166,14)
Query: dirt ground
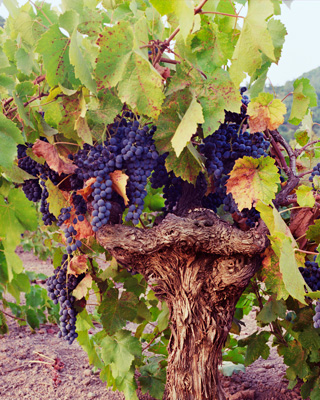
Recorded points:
(40,366)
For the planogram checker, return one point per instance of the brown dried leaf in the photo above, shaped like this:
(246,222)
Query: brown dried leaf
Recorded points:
(300,221)
(163,71)
(50,154)
(119,183)
(78,265)
(81,290)
(87,190)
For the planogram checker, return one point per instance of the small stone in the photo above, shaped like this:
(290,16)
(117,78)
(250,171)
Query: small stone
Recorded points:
(70,377)
(87,381)
(87,372)
(90,395)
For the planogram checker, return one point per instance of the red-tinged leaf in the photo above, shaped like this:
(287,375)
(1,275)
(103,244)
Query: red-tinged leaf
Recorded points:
(82,288)
(119,183)
(88,189)
(50,154)
(252,180)
(271,274)
(77,265)
(265,113)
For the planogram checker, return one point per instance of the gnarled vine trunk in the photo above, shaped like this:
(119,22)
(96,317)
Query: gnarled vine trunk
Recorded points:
(199,265)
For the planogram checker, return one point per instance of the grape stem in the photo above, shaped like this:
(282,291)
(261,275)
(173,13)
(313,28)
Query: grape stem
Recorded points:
(13,316)
(306,252)
(38,80)
(220,13)
(299,151)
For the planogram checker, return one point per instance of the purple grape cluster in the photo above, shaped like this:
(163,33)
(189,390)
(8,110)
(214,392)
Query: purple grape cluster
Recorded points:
(316,317)
(315,172)
(32,190)
(59,287)
(311,275)
(130,149)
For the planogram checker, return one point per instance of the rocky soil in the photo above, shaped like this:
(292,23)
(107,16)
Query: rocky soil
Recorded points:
(40,366)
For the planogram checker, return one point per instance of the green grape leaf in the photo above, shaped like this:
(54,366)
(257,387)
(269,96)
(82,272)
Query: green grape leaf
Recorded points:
(315,394)
(310,340)
(14,264)
(88,346)
(16,174)
(10,136)
(52,113)
(278,32)
(17,214)
(153,378)
(84,321)
(28,28)
(210,47)
(119,351)
(305,196)
(186,165)
(289,266)
(253,179)
(34,298)
(80,65)
(25,60)
(216,94)
(254,39)
(183,10)
(102,111)
(22,111)
(272,310)
(54,48)
(32,318)
(272,276)
(69,20)
(115,312)
(313,232)
(257,346)
(72,108)
(83,130)
(3,326)
(163,317)
(126,383)
(304,96)
(125,65)
(295,356)
(283,245)
(305,132)
(6,81)
(187,127)
(265,112)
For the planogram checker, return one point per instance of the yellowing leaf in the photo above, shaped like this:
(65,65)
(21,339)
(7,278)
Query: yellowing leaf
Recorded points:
(187,126)
(82,288)
(283,244)
(304,96)
(77,265)
(305,196)
(252,180)
(119,183)
(265,113)
(56,198)
(254,40)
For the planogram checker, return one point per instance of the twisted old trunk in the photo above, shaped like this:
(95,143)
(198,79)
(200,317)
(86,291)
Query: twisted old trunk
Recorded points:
(200,266)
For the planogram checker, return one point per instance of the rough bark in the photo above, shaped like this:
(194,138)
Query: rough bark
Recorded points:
(199,265)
